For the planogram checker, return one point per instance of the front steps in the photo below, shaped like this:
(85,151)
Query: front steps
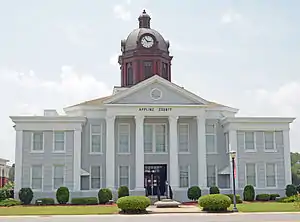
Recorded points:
(154,199)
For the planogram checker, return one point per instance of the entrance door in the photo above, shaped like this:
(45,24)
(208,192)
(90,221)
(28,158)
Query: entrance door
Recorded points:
(155,177)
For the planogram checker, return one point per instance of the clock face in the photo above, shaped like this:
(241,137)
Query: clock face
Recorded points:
(147,41)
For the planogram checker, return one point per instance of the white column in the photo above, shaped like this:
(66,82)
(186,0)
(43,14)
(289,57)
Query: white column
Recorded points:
(110,152)
(174,168)
(232,134)
(77,160)
(139,153)
(202,172)
(287,157)
(18,162)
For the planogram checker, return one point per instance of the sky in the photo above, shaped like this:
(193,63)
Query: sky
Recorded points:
(244,54)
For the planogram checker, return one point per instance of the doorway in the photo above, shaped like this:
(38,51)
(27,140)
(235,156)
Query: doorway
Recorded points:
(155,177)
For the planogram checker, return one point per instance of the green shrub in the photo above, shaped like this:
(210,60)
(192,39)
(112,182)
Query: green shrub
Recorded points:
(215,202)
(194,193)
(84,201)
(214,190)
(62,195)
(4,194)
(290,190)
(263,197)
(238,198)
(249,193)
(104,195)
(287,199)
(123,191)
(26,195)
(45,201)
(133,204)
(298,188)
(9,202)
(273,196)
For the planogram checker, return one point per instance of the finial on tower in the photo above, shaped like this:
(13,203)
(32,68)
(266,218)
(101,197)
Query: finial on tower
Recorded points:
(144,20)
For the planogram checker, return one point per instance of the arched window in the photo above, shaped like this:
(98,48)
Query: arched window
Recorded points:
(129,74)
(165,70)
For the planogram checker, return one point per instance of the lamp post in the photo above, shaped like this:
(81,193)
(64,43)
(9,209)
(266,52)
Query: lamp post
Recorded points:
(233,155)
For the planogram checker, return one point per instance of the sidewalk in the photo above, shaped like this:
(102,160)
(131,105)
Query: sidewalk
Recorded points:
(181,209)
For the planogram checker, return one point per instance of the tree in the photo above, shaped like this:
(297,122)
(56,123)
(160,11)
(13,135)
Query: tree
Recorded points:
(295,168)
(11,173)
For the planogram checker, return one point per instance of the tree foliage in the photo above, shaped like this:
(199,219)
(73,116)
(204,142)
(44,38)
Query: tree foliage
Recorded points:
(295,164)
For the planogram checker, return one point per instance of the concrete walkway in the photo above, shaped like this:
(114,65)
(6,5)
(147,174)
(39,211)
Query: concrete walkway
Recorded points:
(181,209)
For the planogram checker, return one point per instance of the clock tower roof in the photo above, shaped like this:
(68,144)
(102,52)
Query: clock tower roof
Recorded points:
(133,39)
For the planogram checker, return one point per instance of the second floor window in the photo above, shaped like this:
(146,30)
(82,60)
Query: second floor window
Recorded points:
(96,139)
(59,141)
(37,143)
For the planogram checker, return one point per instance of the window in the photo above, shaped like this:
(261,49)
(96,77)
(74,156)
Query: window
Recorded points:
(124,138)
(58,176)
(184,176)
(37,141)
(211,138)
(271,174)
(250,174)
(96,177)
(37,177)
(155,138)
(211,176)
(96,139)
(183,138)
(165,70)
(269,141)
(249,141)
(129,74)
(59,141)
(227,142)
(124,176)
(148,69)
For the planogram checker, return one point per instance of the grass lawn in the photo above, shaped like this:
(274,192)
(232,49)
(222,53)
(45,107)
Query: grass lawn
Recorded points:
(267,207)
(57,210)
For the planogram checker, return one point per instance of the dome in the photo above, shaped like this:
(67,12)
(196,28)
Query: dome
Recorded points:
(133,38)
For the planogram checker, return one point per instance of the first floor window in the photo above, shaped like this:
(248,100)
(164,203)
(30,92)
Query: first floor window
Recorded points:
(124,176)
(183,137)
(271,174)
(58,179)
(184,176)
(211,175)
(251,174)
(37,143)
(36,177)
(95,177)
(59,141)
(124,138)
(96,137)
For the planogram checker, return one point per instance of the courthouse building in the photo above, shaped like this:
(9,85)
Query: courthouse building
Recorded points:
(147,132)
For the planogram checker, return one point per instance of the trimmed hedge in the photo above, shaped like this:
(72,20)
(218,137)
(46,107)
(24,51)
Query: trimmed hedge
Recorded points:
(123,191)
(45,201)
(290,190)
(263,197)
(214,190)
(133,204)
(104,195)
(249,193)
(238,198)
(84,201)
(215,202)
(194,193)
(26,195)
(10,202)
(273,196)
(62,195)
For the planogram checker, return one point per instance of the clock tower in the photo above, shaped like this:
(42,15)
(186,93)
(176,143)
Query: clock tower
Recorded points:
(144,53)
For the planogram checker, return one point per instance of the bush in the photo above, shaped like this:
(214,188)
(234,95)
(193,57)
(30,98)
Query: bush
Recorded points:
(9,202)
(249,193)
(133,204)
(26,195)
(194,193)
(214,190)
(215,202)
(238,198)
(298,188)
(84,201)
(4,194)
(104,195)
(290,190)
(273,196)
(287,199)
(123,191)
(62,195)
(45,201)
(263,197)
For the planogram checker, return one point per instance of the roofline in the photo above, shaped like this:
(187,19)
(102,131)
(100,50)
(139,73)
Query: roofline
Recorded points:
(70,119)
(4,160)
(227,120)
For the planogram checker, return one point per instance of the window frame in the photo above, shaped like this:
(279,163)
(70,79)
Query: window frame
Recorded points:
(246,176)
(97,134)
(32,142)
(53,175)
(274,142)
(101,177)
(216,175)
(189,176)
(54,141)
(214,134)
(153,150)
(129,135)
(119,175)
(254,142)
(188,138)
(42,168)
(275,172)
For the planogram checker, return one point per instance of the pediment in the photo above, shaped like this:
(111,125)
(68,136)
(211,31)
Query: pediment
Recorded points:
(156,90)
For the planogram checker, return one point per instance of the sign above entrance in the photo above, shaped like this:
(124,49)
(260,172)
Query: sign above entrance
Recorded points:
(153,109)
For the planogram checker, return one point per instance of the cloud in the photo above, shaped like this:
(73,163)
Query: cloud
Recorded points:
(206,49)
(113,60)
(121,12)
(230,17)
(28,94)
